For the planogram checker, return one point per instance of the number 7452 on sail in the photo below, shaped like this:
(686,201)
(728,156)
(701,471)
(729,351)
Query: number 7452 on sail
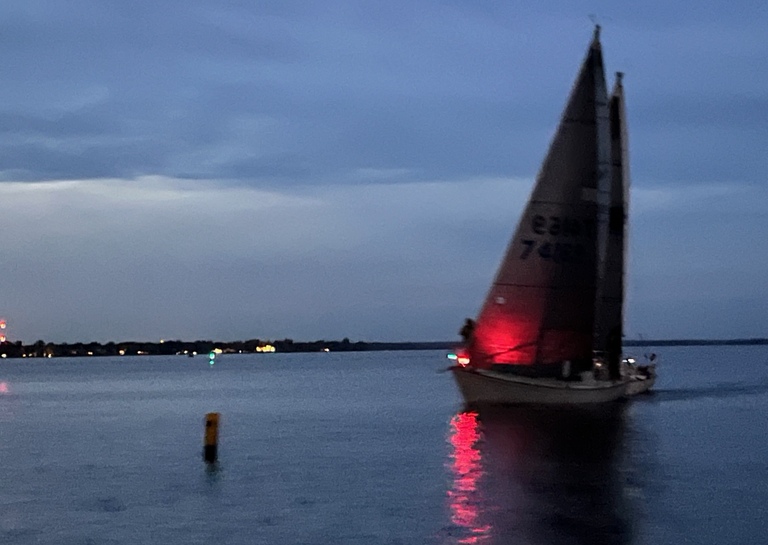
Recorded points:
(559,252)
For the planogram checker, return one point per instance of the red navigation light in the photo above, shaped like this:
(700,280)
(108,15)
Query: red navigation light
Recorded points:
(462,357)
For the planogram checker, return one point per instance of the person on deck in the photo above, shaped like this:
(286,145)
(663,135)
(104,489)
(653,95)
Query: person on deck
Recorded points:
(467,331)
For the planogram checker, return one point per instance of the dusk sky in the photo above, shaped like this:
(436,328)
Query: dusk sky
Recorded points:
(317,170)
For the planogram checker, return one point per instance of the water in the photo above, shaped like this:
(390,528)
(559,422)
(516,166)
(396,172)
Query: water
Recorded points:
(373,448)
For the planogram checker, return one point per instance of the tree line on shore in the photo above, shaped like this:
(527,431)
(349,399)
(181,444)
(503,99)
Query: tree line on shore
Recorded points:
(42,349)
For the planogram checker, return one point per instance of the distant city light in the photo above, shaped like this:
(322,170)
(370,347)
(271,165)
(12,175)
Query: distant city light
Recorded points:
(265,348)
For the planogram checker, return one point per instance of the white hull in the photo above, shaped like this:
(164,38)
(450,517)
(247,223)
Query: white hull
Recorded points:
(641,382)
(480,386)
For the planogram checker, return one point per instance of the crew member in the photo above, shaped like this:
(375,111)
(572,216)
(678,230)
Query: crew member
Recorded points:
(467,331)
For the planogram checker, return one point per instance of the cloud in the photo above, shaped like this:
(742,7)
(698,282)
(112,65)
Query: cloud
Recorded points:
(105,258)
(697,256)
(355,168)
(108,259)
(277,93)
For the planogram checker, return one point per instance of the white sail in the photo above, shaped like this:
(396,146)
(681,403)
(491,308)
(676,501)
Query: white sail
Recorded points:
(541,306)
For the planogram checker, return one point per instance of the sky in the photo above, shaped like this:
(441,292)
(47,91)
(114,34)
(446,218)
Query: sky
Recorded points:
(318,170)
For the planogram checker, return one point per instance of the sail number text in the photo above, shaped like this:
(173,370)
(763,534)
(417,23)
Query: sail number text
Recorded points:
(562,251)
(559,252)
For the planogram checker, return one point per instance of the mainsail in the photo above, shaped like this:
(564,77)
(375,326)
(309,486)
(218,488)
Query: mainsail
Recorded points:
(541,306)
(610,309)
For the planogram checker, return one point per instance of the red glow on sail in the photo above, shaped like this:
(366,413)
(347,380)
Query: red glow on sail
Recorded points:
(503,339)
(510,329)
(467,471)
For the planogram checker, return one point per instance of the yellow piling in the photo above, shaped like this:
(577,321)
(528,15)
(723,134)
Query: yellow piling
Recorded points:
(210,446)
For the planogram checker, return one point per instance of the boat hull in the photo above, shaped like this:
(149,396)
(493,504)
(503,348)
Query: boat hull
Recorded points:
(641,380)
(487,387)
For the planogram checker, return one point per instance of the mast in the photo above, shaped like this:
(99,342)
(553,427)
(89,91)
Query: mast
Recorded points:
(540,309)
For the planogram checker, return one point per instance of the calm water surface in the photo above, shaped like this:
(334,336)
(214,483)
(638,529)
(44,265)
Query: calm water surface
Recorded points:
(374,448)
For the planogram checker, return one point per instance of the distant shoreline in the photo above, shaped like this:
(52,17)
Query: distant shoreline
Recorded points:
(41,349)
(695,342)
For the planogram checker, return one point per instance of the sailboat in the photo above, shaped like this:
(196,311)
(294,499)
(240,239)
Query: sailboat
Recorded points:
(550,328)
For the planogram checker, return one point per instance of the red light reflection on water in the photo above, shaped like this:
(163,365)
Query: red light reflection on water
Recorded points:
(467,470)
(4,388)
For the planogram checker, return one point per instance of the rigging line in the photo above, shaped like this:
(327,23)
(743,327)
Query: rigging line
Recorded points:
(514,348)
